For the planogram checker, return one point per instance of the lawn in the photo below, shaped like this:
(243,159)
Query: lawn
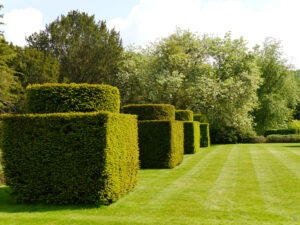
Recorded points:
(224,184)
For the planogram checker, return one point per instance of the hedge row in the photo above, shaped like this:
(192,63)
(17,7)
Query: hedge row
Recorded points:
(205,137)
(151,111)
(191,137)
(161,143)
(54,98)
(280,131)
(202,118)
(70,158)
(184,115)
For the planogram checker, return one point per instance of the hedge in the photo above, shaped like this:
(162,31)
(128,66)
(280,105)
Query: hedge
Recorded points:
(291,138)
(151,111)
(161,143)
(202,118)
(204,133)
(184,115)
(191,137)
(54,98)
(280,131)
(70,158)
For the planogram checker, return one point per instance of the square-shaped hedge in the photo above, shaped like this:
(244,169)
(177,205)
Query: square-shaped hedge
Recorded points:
(70,158)
(191,137)
(204,133)
(161,143)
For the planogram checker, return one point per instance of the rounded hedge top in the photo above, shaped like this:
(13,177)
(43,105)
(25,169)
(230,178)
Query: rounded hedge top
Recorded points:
(184,115)
(202,118)
(151,111)
(52,98)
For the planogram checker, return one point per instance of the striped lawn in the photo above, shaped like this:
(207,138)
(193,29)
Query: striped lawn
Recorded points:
(224,184)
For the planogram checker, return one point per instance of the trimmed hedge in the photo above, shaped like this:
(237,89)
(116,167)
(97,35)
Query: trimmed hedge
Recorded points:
(70,158)
(54,98)
(202,118)
(161,143)
(184,115)
(291,138)
(191,137)
(280,131)
(151,111)
(204,133)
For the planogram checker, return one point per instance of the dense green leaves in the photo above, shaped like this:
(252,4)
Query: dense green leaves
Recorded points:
(184,115)
(70,158)
(87,50)
(191,137)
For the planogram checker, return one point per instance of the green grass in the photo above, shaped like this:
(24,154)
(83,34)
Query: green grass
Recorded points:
(225,184)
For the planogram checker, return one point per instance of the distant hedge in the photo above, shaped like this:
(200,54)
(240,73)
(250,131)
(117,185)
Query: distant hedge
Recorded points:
(280,131)
(202,118)
(151,111)
(161,143)
(191,137)
(290,138)
(204,133)
(184,115)
(54,98)
(70,158)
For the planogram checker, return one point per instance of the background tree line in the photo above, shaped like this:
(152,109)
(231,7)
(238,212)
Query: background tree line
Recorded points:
(242,91)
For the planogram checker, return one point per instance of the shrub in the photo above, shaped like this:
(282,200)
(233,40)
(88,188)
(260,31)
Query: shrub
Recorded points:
(151,111)
(54,98)
(202,118)
(295,124)
(291,138)
(161,143)
(191,137)
(259,139)
(280,131)
(70,158)
(204,134)
(184,115)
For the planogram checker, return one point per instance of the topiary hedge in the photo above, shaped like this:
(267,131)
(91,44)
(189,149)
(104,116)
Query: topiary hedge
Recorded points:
(205,137)
(54,98)
(161,143)
(191,137)
(184,115)
(280,131)
(151,111)
(70,158)
(202,118)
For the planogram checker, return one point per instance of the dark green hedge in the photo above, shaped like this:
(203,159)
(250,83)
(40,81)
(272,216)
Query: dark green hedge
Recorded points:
(202,118)
(290,138)
(280,131)
(204,133)
(191,137)
(161,143)
(184,115)
(70,158)
(151,111)
(54,98)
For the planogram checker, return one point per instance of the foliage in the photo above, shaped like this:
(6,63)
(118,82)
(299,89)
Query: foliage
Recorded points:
(151,111)
(191,137)
(70,158)
(276,138)
(87,50)
(278,93)
(50,98)
(280,131)
(35,67)
(295,124)
(204,135)
(200,118)
(184,115)
(161,143)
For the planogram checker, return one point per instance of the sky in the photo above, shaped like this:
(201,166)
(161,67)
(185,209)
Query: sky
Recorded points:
(144,21)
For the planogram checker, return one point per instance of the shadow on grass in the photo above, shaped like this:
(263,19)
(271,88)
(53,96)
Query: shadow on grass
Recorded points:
(8,204)
(292,146)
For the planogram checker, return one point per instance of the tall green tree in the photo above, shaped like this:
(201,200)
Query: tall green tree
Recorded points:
(278,94)
(10,88)
(87,50)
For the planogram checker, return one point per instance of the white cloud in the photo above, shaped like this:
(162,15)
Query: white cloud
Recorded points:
(20,23)
(151,19)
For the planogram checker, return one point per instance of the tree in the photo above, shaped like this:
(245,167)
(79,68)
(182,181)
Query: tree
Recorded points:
(87,51)
(11,90)
(36,67)
(278,94)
